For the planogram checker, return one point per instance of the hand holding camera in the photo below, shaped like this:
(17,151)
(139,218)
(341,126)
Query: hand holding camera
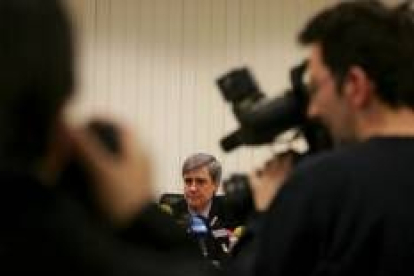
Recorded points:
(121,181)
(267,181)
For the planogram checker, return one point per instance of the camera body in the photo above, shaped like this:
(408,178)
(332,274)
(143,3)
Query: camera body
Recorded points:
(74,179)
(262,119)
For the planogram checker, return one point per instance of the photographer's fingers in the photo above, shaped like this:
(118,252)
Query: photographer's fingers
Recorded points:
(94,152)
(122,181)
(263,193)
(128,144)
(90,150)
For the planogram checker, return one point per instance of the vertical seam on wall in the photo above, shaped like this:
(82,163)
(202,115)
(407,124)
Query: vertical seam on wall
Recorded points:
(109,60)
(181,76)
(94,49)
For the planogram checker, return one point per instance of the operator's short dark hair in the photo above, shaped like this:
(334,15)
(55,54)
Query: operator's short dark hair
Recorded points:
(36,75)
(377,38)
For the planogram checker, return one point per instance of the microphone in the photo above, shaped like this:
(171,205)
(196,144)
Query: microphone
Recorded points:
(200,231)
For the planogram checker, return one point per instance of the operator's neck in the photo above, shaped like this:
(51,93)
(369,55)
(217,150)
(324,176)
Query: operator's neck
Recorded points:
(389,122)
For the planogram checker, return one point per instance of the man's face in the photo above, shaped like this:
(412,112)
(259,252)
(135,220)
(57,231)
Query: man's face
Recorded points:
(327,104)
(199,188)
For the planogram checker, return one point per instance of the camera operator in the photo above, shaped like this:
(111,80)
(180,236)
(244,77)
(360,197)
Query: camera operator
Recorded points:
(46,228)
(350,211)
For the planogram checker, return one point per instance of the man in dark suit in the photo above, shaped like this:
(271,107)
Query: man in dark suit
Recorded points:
(202,213)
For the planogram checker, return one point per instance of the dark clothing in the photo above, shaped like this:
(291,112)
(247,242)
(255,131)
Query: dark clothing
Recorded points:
(244,253)
(219,221)
(348,212)
(45,231)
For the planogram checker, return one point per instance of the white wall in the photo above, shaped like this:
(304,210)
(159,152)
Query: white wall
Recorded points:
(154,64)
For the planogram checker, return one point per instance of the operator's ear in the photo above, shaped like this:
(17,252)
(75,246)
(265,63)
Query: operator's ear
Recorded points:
(358,88)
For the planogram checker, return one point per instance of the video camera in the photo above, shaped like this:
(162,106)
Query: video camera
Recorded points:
(262,120)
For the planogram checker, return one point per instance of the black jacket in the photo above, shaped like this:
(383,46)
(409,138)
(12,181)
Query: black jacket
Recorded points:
(348,212)
(220,220)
